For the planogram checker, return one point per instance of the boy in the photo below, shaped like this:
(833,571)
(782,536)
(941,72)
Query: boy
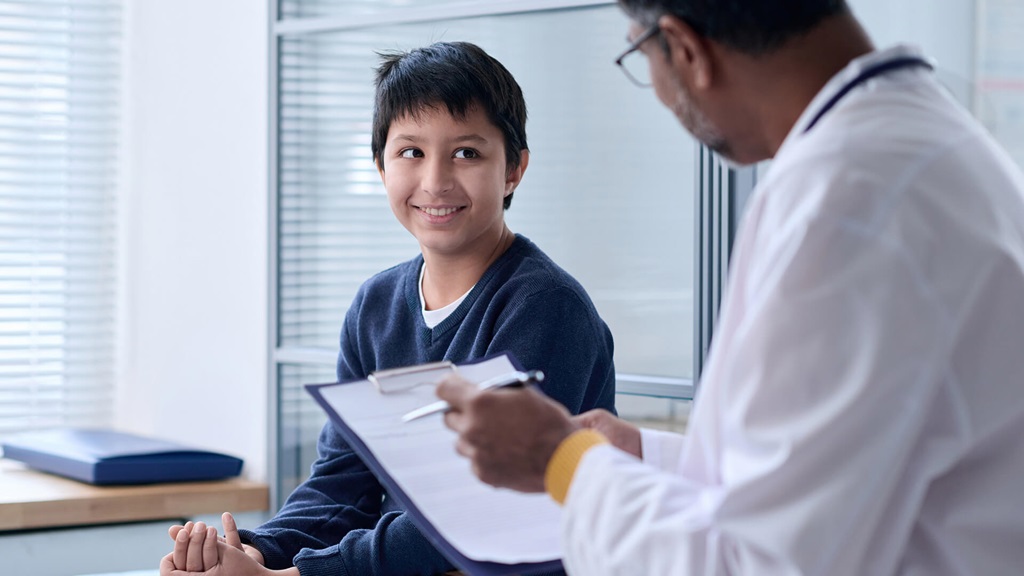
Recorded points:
(449,141)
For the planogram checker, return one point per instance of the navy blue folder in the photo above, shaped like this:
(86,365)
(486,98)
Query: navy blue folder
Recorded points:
(108,457)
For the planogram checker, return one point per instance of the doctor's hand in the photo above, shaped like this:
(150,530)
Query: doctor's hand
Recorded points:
(508,434)
(621,434)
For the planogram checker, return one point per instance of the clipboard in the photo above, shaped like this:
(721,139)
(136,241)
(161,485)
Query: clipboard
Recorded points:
(370,423)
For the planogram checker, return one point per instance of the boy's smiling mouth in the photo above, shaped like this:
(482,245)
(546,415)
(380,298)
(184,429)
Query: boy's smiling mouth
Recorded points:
(440,211)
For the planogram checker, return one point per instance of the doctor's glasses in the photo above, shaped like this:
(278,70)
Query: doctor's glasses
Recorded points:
(633,63)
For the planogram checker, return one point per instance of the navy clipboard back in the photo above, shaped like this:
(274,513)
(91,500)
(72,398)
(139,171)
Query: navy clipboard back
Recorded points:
(107,457)
(456,557)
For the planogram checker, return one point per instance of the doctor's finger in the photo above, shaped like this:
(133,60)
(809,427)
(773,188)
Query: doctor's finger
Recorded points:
(464,448)
(594,418)
(455,421)
(456,391)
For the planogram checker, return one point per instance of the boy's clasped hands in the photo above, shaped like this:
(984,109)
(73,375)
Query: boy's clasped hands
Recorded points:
(199,550)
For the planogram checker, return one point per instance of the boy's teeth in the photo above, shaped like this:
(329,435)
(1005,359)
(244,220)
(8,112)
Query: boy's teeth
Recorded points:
(439,211)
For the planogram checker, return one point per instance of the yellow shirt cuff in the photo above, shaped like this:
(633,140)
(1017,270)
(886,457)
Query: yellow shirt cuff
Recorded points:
(562,466)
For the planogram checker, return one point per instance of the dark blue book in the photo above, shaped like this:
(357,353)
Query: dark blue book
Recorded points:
(107,457)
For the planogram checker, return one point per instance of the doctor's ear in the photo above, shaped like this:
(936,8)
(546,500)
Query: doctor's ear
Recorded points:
(690,54)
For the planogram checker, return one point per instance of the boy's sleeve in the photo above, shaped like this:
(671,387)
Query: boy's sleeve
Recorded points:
(555,331)
(340,495)
(394,547)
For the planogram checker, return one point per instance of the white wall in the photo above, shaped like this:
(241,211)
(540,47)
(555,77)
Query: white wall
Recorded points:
(193,357)
(944,30)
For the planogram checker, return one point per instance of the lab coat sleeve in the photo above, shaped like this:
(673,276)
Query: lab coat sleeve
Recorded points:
(817,392)
(661,449)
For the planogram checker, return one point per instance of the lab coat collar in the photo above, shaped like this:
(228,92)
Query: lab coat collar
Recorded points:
(837,82)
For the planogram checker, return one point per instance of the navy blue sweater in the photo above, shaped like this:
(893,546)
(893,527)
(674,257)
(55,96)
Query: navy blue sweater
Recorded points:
(340,521)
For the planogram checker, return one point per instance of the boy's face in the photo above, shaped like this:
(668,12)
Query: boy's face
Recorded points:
(446,180)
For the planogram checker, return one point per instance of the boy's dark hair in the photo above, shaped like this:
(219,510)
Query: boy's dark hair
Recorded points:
(751,26)
(455,75)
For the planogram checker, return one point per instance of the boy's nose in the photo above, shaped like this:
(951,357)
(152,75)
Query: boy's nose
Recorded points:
(438,177)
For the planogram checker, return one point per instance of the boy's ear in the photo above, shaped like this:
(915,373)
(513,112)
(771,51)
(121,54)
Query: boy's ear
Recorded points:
(514,177)
(380,169)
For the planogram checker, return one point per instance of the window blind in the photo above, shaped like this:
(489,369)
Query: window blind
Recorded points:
(59,70)
(335,228)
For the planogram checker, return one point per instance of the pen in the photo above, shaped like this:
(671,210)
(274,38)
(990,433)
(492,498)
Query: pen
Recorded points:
(502,381)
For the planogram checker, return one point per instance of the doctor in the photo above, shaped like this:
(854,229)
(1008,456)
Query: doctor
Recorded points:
(862,411)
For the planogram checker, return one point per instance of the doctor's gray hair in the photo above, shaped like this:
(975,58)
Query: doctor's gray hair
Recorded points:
(751,26)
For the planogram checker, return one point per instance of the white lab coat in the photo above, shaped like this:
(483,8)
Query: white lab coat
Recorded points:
(862,412)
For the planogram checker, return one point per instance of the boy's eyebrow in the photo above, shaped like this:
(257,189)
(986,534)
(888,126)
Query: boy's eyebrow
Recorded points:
(463,138)
(471,138)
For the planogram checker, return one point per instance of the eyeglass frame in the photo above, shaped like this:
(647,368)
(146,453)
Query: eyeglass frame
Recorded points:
(651,32)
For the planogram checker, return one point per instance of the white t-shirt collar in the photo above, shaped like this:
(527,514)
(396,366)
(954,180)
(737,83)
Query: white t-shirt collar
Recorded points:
(434,317)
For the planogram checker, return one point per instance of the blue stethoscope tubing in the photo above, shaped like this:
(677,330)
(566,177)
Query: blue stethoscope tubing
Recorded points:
(865,75)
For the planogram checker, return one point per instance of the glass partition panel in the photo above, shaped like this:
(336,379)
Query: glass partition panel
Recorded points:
(320,8)
(608,193)
(999,90)
(300,419)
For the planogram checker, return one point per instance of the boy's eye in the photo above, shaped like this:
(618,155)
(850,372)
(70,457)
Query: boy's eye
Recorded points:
(411,153)
(466,153)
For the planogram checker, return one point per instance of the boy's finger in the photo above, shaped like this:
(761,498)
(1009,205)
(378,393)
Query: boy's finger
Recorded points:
(167,565)
(210,549)
(194,560)
(173,531)
(231,530)
(180,550)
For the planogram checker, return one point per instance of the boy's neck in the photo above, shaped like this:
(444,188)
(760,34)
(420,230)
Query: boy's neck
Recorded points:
(446,278)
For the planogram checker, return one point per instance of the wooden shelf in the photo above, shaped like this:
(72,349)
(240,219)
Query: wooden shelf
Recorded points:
(30,499)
